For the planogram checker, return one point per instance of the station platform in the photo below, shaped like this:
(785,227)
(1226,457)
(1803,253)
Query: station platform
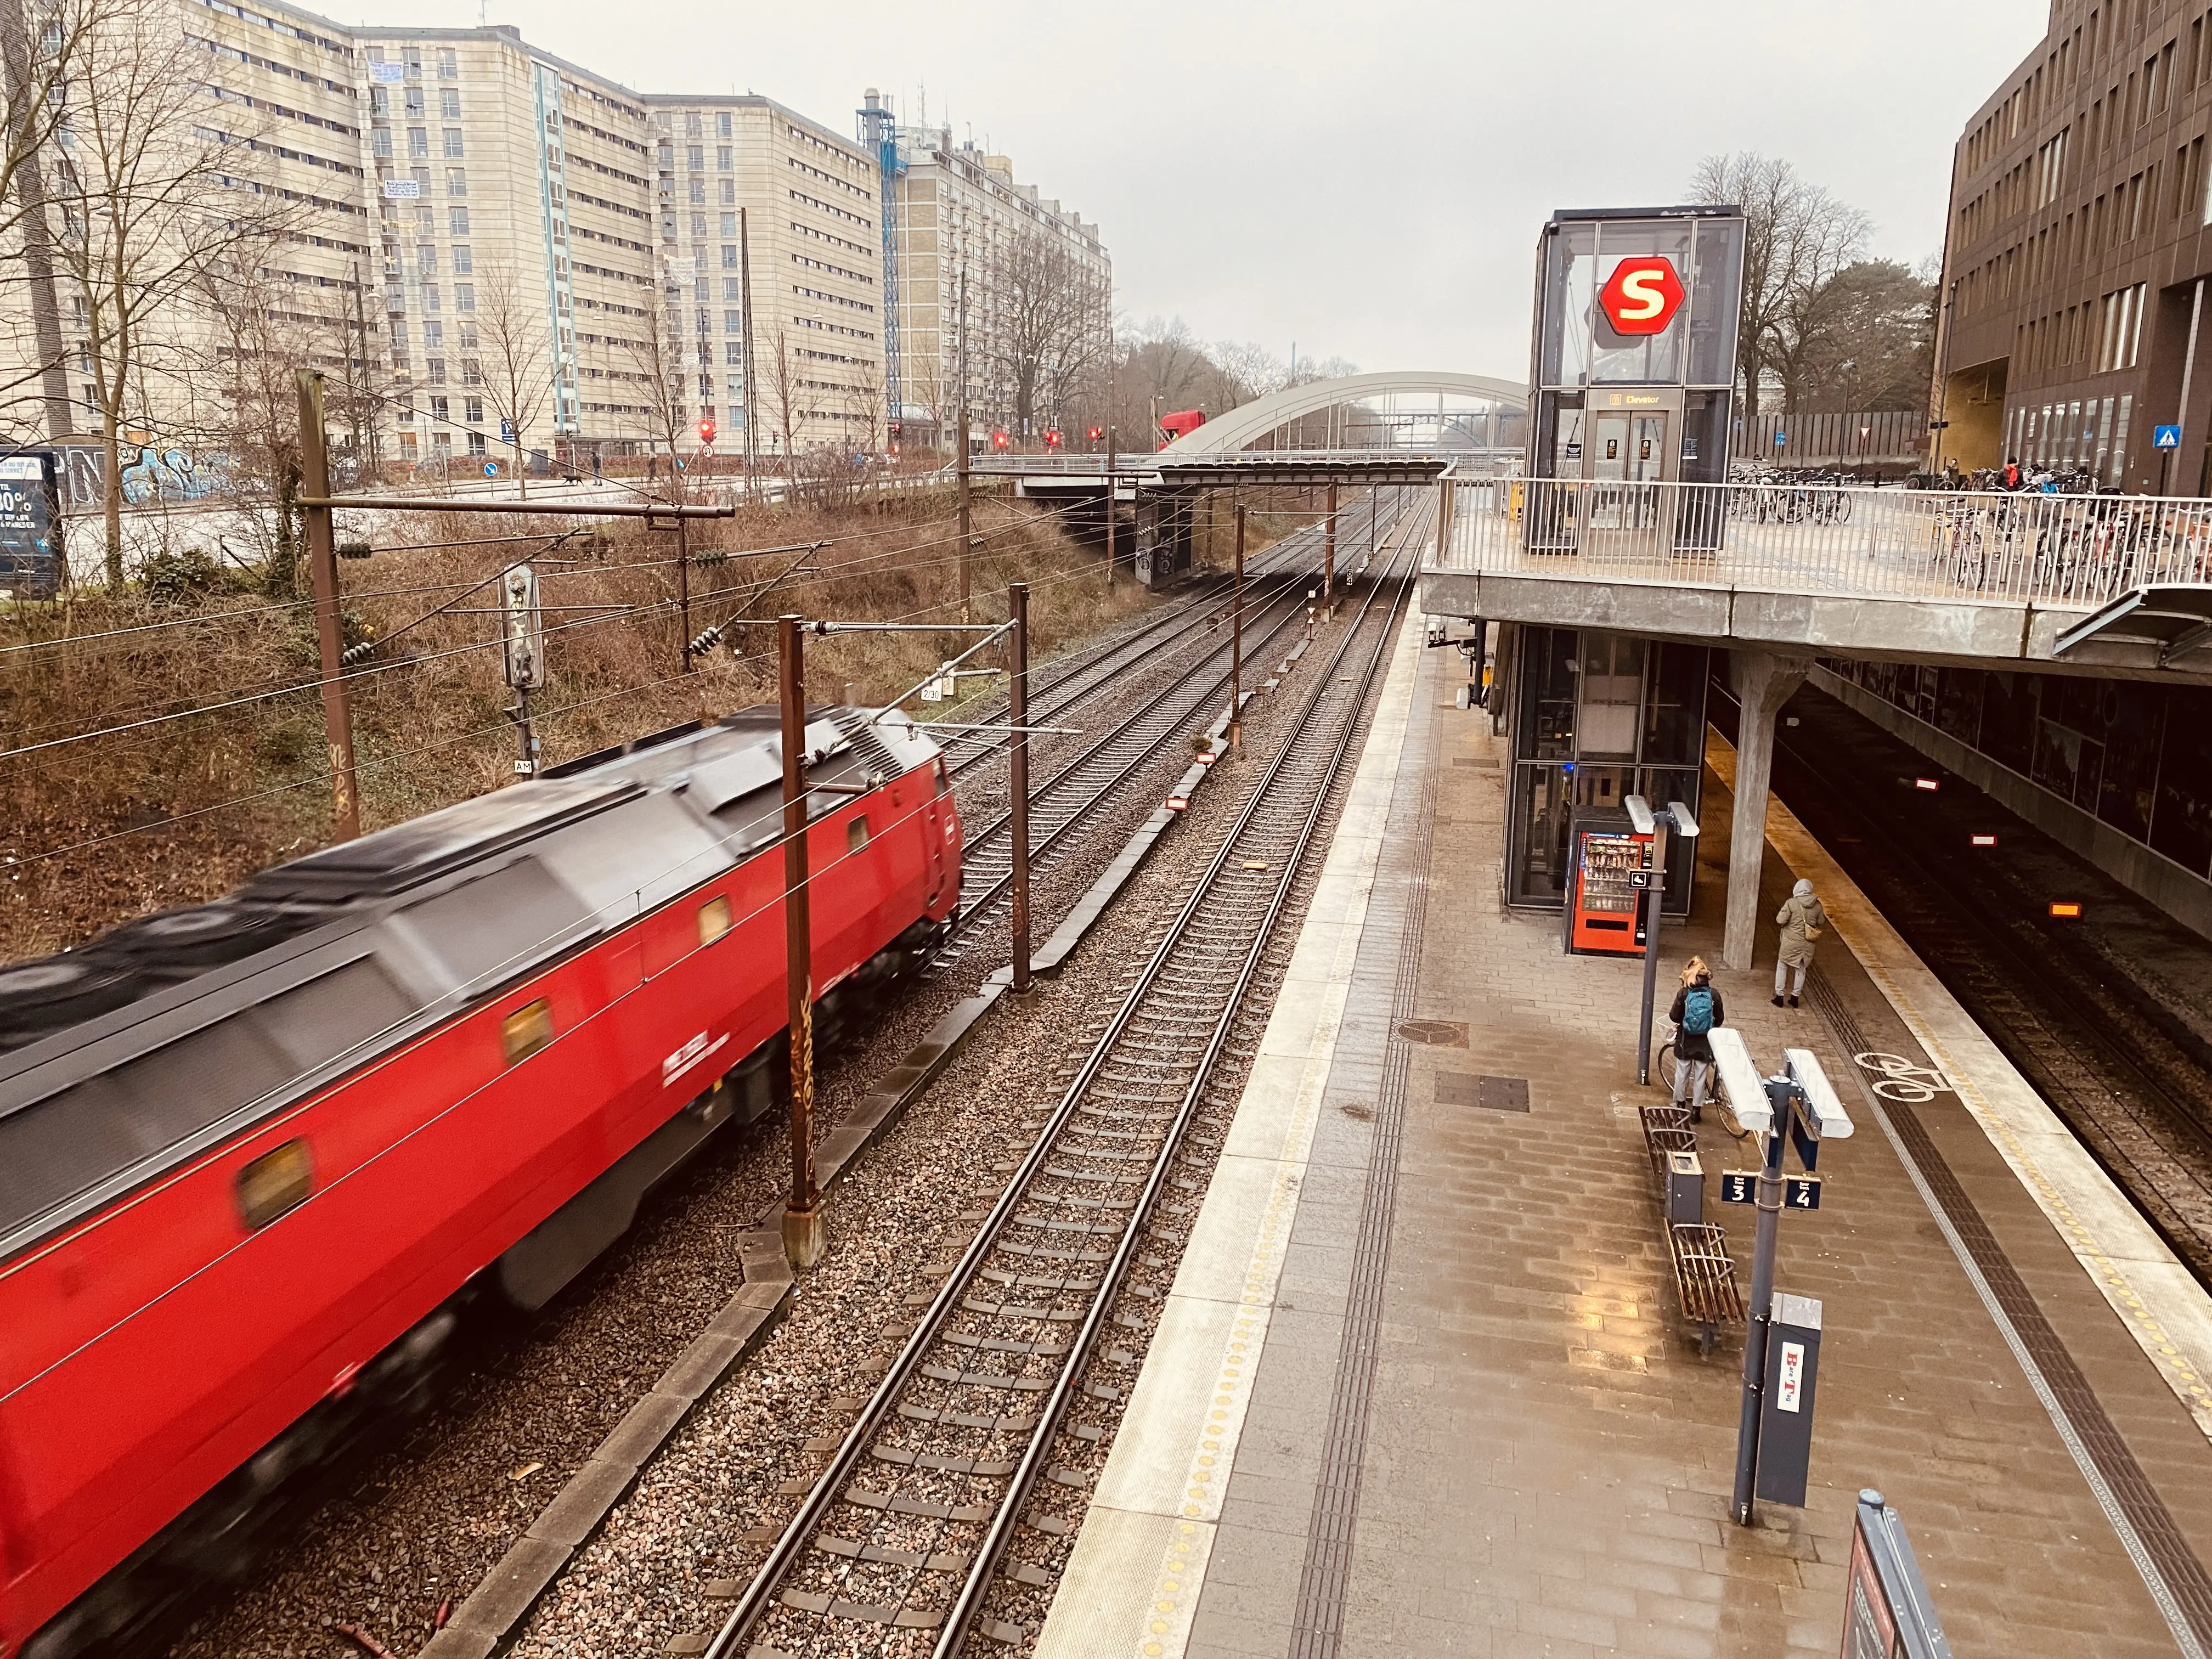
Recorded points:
(1423,1385)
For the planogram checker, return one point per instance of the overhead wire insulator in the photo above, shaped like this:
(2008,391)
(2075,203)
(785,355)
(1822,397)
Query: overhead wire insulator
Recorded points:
(705,641)
(355,652)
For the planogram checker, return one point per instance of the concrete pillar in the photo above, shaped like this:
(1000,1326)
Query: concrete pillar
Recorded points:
(1763,683)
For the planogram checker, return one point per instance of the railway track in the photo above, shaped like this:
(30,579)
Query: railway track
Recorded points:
(939,1514)
(2141,1105)
(1068,684)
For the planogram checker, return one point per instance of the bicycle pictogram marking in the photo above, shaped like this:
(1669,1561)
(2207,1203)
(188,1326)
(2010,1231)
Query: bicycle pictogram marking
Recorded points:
(1903,1080)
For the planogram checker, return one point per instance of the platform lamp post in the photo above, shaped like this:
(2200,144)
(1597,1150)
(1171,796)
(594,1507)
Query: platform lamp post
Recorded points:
(1676,819)
(1799,1103)
(802,1215)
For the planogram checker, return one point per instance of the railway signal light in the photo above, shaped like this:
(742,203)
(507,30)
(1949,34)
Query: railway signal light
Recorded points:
(525,632)
(706,430)
(1096,433)
(1052,439)
(999,440)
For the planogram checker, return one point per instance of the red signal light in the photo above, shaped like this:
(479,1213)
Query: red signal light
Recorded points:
(707,431)
(1096,433)
(1052,439)
(998,440)
(2065,909)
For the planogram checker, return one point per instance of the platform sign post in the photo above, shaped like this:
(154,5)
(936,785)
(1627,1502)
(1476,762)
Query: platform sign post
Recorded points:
(1677,817)
(1797,1103)
(1785,1423)
(1888,1613)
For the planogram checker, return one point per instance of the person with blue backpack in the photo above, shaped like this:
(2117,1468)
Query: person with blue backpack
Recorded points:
(1697,1010)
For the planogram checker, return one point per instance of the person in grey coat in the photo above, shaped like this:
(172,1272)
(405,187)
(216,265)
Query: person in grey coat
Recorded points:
(1801,921)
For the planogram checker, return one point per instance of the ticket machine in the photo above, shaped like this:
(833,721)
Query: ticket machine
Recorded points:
(1632,380)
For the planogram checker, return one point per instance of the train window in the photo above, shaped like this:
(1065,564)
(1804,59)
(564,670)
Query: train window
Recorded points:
(856,832)
(276,1181)
(527,1030)
(714,919)
(494,927)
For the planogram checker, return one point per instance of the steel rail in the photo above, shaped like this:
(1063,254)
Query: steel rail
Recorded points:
(764,1590)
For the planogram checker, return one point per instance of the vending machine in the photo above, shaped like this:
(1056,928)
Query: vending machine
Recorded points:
(1605,913)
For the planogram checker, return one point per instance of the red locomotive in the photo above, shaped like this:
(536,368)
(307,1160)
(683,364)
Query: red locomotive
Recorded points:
(253,1155)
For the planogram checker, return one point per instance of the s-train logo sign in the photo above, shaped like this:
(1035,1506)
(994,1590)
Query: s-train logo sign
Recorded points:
(1641,296)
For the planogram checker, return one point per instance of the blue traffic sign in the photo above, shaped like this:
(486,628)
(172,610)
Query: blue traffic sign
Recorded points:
(491,469)
(506,432)
(1780,439)
(2165,437)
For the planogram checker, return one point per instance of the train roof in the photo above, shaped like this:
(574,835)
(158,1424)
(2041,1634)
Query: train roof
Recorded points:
(316,963)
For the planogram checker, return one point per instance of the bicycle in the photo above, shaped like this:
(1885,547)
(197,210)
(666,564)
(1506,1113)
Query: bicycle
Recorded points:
(1663,1070)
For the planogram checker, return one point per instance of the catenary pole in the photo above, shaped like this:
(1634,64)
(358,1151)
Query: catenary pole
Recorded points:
(1237,645)
(802,1216)
(323,566)
(966,521)
(1017,596)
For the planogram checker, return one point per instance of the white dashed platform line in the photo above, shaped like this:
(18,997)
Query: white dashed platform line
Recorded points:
(2163,1306)
(1132,1584)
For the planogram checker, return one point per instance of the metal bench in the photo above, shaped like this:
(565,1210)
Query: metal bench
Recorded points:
(1705,1274)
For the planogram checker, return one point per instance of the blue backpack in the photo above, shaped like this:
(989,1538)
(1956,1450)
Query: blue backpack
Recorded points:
(1698,1010)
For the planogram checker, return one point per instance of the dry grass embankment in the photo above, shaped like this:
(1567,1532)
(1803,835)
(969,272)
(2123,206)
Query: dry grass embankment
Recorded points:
(155,816)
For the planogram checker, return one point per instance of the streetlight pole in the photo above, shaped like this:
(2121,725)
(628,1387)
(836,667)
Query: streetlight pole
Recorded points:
(802,1216)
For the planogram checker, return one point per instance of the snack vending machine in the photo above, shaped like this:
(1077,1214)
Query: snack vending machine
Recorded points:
(1605,911)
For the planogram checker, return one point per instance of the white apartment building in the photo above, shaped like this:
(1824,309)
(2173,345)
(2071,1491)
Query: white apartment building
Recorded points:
(959,219)
(761,208)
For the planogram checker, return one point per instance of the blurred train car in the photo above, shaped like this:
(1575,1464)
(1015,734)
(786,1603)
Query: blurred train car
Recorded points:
(254,1156)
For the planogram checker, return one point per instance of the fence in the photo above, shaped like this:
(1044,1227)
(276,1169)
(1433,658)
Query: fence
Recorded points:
(2062,550)
(1880,437)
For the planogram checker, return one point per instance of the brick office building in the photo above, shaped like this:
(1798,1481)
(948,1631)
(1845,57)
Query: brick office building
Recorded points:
(2077,253)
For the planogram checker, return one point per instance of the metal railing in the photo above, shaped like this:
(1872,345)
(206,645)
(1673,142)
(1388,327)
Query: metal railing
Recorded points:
(1829,540)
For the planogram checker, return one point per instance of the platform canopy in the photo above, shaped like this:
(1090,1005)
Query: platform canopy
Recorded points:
(2176,619)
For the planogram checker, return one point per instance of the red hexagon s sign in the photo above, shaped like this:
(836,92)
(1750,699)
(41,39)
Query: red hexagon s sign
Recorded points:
(1641,296)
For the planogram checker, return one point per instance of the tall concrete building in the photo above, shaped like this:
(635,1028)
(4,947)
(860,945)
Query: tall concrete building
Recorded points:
(973,247)
(2077,256)
(761,209)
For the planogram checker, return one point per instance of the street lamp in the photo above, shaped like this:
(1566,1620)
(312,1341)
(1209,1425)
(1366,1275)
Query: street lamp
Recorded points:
(1674,817)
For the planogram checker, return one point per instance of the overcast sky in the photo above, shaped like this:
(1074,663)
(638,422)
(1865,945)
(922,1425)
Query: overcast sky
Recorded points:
(1362,178)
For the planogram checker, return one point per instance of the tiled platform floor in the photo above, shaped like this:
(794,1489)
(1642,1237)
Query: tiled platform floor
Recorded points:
(1543,1459)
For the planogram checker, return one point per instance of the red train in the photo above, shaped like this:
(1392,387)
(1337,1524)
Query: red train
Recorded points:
(253,1156)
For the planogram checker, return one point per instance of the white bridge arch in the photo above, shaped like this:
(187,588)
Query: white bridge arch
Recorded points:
(1402,411)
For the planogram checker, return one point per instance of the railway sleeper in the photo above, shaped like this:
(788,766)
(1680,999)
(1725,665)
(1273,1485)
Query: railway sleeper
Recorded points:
(864,1613)
(928,1561)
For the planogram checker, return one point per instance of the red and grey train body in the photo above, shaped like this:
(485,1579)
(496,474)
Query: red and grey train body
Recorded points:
(252,1154)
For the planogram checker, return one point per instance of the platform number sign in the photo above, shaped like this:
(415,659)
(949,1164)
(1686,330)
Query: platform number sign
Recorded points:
(1641,296)
(1798,1192)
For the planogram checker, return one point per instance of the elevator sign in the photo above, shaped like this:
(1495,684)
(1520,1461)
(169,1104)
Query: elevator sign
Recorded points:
(1641,296)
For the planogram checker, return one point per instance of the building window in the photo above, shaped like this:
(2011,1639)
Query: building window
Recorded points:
(722,125)
(729,224)
(476,443)
(729,191)
(733,322)
(457,182)
(407,444)
(722,158)
(692,127)
(380,143)
(426,259)
(695,157)
(472,371)
(430,296)
(449,64)
(698,226)
(733,354)
(412,57)
(434,370)
(418,141)
(472,410)
(453,140)
(380,101)
(457,220)
(434,337)
(440,410)
(730,290)
(465,296)
(441,446)
(414,103)
(449,103)
(698,193)
(729,255)
(463,262)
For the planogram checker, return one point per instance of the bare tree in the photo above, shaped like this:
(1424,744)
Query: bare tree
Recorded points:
(657,369)
(156,185)
(1797,237)
(515,343)
(782,386)
(42,50)
(1050,314)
